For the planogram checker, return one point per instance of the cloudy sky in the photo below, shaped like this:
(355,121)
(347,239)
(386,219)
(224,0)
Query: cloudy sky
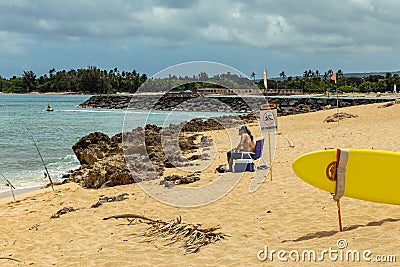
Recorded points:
(282,35)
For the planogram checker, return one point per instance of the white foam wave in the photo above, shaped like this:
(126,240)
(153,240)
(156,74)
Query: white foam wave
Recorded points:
(89,111)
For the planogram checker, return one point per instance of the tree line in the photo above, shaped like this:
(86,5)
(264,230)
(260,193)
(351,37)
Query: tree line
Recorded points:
(95,81)
(89,80)
(92,80)
(317,82)
(195,82)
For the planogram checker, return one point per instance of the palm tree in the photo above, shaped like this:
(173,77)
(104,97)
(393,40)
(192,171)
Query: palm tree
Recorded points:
(340,73)
(253,75)
(283,76)
(51,72)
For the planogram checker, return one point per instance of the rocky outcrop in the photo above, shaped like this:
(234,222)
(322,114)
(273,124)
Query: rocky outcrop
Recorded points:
(103,163)
(93,147)
(142,154)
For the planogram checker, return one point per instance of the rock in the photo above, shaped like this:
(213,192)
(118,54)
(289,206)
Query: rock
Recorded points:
(388,104)
(91,147)
(339,116)
(169,184)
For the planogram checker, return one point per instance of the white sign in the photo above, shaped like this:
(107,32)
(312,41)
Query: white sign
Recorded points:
(269,120)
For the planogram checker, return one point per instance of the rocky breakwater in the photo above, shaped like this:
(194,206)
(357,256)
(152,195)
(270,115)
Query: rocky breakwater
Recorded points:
(107,101)
(142,154)
(180,102)
(194,102)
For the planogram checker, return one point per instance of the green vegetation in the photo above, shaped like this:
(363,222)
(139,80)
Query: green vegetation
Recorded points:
(226,80)
(95,81)
(91,80)
(315,82)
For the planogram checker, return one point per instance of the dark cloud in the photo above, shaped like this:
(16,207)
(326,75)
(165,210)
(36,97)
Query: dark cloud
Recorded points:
(284,29)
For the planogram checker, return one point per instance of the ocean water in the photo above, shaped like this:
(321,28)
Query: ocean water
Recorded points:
(56,132)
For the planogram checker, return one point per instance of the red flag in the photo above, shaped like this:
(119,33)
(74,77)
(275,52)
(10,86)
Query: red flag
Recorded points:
(334,77)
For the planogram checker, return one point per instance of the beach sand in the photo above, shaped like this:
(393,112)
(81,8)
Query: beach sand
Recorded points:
(283,214)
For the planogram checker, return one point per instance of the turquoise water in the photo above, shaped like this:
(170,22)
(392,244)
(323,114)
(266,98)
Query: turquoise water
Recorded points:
(56,132)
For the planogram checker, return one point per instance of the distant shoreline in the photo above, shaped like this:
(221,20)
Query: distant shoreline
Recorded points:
(46,93)
(161,93)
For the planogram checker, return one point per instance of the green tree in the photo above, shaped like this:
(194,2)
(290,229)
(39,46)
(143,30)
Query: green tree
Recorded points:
(16,85)
(389,81)
(3,83)
(29,80)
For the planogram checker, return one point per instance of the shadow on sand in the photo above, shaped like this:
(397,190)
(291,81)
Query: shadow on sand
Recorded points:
(322,234)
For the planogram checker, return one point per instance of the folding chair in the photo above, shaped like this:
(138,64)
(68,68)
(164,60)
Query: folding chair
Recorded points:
(242,160)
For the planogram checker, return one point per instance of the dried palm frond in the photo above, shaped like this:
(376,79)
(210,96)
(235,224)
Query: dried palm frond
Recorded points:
(192,236)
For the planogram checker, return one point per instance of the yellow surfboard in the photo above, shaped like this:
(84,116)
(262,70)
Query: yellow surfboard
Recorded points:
(372,175)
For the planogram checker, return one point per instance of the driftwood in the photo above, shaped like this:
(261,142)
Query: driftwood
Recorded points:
(110,199)
(177,179)
(192,236)
(290,145)
(10,259)
(62,211)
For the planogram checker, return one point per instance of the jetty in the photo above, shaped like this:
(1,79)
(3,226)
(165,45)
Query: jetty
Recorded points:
(292,104)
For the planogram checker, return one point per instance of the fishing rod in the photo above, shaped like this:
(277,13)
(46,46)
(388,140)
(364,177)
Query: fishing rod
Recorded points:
(40,155)
(10,185)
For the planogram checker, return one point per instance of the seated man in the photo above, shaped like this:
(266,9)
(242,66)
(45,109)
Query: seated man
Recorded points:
(246,144)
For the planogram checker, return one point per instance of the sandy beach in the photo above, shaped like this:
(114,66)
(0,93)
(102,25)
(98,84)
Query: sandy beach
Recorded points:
(283,214)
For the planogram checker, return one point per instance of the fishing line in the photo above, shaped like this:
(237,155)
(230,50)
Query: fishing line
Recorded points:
(40,155)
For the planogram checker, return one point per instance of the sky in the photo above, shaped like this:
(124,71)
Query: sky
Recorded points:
(248,35)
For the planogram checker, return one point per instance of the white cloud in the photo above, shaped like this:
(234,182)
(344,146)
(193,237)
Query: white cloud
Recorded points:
(47,25)
(364,4)
(278,29)
(216,33)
